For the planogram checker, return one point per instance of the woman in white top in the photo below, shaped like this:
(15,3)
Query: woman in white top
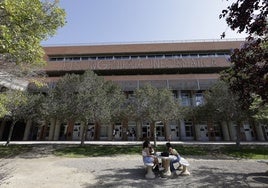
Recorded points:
(147,155)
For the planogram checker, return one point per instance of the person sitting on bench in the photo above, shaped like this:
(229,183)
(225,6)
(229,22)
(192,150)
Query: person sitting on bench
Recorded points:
(177,158)
(148,157)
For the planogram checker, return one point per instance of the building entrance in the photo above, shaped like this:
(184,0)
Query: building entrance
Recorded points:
(174,132)
(90,131)
(117,132)
(203,132)
(265,131)
(76,131)
(145,130)
(249,134)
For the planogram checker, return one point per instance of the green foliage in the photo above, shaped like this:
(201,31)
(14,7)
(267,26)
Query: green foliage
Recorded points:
(247,152)
(248,16)
(15,102)
(61,101)
(218,151)
(116,99)
(97,151)
(259,109)
(221,105)
(248,74)
(13,150)
(92,97)
(3,101)
(155,104)
(85,98)
(20,106)
(23,25)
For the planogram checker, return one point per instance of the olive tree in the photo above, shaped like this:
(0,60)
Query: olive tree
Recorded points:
(98,101)
(222,105)
(155,105)
(62,100)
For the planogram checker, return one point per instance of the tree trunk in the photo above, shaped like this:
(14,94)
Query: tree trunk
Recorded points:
(228,128)
(10,132)
(2,127)
(70,128)
(27,129)
(97,130)
(154,129)
(83,134)
(238,134)
(166,132)
(125,127)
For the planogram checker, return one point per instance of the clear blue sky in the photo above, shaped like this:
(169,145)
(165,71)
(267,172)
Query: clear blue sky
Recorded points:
(126,21)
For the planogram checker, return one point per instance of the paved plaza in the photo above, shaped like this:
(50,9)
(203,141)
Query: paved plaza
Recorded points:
(40,169)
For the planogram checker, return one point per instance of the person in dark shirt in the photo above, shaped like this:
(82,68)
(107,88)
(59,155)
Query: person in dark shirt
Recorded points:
(174,152)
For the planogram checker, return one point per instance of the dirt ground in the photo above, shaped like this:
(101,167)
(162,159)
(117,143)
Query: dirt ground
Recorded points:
(40,169)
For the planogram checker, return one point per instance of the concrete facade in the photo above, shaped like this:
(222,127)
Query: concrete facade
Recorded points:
(186,68)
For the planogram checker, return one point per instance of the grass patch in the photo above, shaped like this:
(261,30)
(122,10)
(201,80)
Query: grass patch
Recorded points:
(246,152)
(13,150)
(96,151)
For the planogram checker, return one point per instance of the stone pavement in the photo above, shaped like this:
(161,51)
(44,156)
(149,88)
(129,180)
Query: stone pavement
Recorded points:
(42,170)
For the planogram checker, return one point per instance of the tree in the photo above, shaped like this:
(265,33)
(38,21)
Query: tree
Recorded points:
(155,105)
(116,99)
(248,74)
(259,109)
(221,104)
(62,100)
(248,16)
(23,25)
(32,111)
(98,101)
(3,101)
(15,101)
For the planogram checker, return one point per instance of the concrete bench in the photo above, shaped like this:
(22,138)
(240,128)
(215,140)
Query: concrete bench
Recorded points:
(149,170)
(184,163)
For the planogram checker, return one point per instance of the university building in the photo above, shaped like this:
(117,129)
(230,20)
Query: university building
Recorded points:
(186,68)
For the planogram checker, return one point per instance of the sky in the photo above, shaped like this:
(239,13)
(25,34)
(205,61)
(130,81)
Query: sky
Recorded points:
(137,21)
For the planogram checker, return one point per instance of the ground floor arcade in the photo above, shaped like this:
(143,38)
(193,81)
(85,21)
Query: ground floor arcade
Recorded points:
(181,130)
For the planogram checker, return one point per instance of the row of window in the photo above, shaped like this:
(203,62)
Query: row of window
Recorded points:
(186,97)
(127,57)
(146,131)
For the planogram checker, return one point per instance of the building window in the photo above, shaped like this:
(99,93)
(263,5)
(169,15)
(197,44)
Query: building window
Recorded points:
(189,128)
(199,98)
(175,94)
(159,129)
(103,131)
(185,98)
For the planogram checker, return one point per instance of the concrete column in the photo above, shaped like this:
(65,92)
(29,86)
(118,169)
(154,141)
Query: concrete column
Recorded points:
(225,132)
(110,132)
(57,130)
(167,130)
(182,130)
(232,131)
(51,129)
(27,129)
(2,128)
(260,134)
(197,132)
